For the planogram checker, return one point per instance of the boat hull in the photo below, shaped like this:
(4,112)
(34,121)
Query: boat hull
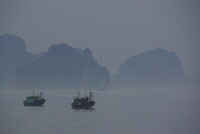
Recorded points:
(35,102)
(85,105)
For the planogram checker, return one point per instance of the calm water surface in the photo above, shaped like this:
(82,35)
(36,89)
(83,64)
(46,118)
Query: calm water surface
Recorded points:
(115,112)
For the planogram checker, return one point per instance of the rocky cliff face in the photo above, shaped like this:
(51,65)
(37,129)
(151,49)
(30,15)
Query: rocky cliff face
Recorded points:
(12,54)
(155,68)
(63,67)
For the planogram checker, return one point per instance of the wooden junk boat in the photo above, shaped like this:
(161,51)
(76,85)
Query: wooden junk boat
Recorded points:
(35,100)
(83,102)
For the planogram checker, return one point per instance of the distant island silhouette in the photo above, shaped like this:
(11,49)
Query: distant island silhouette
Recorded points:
(12,54)
(154,68)
(66,67)
(63,67)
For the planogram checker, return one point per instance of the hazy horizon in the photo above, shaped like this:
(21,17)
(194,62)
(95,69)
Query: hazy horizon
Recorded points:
(114,30)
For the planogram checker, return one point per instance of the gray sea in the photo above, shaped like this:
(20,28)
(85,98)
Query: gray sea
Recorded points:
(115,112)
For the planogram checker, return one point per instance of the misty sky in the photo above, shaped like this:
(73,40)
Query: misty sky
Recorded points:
(113,29)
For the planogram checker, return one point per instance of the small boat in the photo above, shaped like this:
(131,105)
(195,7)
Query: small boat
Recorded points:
(83,102)
(35,100)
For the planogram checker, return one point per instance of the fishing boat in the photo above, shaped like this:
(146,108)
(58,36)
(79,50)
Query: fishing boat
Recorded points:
(83,102)
(35,100)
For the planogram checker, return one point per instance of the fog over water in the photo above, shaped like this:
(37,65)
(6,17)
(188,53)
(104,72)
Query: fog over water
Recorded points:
(115,112)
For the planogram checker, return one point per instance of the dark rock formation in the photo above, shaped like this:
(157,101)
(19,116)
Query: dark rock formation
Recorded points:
(155,68)
(63,67)
(12,54)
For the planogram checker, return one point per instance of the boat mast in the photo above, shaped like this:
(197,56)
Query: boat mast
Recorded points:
(78,94)
(91,95)
(85,90)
